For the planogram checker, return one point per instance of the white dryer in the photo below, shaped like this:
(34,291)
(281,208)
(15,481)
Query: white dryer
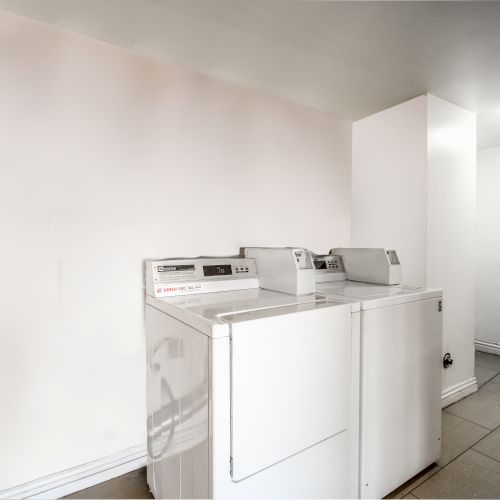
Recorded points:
(251,393)
(401,366)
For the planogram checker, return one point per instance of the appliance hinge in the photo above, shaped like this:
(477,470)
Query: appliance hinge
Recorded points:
(440,305)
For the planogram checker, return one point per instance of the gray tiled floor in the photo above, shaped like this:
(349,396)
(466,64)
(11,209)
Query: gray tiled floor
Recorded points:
(471,475)
(482,408)
(469,466)
(492,386)
(484,374)
(488,360)
(131,485)
(458,437)
(490,445)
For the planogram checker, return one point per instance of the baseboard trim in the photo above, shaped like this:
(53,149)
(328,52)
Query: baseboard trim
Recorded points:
(457,392)
(485,346)
(82,476)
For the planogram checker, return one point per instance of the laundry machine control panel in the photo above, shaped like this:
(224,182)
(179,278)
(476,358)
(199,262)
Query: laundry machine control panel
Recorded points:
(170,277)
(329,268)
(284,269)
(371,265)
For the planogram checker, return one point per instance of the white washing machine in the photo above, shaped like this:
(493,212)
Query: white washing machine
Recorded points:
(401,365)
(251,393)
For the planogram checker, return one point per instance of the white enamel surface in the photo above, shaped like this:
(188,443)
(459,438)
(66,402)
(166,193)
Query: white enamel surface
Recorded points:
(286,478)
(290,385)
(287,337)
(401,339)
(401,394)
(204,311)
(374,296)
(177,390)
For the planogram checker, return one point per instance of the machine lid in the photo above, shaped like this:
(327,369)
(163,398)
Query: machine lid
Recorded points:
(203,311)
(268,312)
(373,296)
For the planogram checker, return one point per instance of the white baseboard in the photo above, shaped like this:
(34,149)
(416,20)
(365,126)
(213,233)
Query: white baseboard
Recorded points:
(82,476)
(485,346)
(457,392)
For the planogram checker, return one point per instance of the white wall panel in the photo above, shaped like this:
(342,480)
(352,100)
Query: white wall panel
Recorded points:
(488,248)
(414,190)
(451,220)
(106,159)
(389,184)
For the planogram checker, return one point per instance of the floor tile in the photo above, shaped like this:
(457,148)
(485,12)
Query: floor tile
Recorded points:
(482,408)
(492,387)
(496,379)
(488,360)
(410,485)
(448,420)
(130,485)
(483,374)
(410,496)
(490,446)
(458,437)
(472,475)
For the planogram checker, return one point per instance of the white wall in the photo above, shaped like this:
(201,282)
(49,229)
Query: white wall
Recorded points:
(389,158)
(413,189)
(108,158)
(451,227)
(488,250)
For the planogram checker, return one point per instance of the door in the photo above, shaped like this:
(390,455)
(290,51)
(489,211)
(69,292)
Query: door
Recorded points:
(400,393)
(290,382)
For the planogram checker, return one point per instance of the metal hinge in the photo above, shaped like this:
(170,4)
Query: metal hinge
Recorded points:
(440,305)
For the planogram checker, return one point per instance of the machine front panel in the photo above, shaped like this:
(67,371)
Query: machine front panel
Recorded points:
(290,385)
(401,359)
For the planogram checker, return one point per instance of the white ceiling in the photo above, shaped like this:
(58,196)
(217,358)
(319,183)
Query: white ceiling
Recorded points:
(348,58)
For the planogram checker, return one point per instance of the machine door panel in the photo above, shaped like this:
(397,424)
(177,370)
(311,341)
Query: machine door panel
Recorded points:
(401,394)
(290,384)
